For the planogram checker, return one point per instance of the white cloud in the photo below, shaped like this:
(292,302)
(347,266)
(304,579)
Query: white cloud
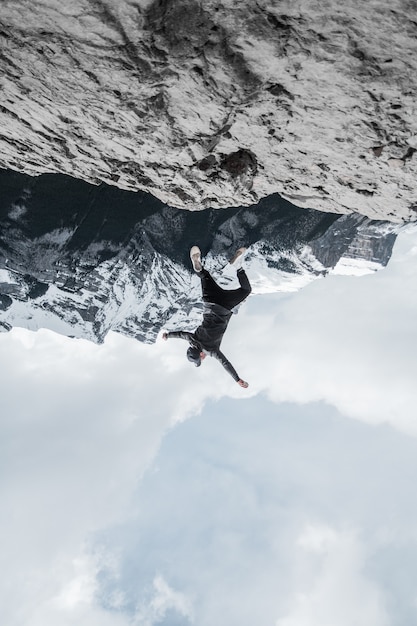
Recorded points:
(163,599)
(81,424)
(273,513)
(332,587)
(71,600)
(348,341)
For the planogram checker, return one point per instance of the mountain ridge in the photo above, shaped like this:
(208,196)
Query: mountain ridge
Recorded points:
(84,260)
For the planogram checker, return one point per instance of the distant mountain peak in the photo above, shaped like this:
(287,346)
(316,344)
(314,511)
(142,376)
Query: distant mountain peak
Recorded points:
(84,260)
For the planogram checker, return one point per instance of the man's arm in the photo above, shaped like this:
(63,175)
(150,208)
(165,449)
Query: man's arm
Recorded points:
(229,368)
(178,334)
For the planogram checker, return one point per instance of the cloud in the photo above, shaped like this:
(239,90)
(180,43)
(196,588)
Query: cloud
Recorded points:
(347,341)
(69,600)
(164,599)
(98,527)
(272,514)
(80,424)
(332,587)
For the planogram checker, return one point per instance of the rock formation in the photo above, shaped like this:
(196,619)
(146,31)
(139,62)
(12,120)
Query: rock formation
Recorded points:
(217,103)
(82,260)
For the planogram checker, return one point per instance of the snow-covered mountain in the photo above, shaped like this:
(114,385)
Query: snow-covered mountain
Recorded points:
(82,260)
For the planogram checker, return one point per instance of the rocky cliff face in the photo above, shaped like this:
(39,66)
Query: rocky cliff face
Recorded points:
(82,260)
(217,103)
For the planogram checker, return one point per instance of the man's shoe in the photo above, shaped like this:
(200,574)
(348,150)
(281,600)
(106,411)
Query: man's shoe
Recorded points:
(195,256)
(237,258)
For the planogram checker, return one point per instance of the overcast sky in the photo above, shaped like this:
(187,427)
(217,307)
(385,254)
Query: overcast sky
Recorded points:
(139,490)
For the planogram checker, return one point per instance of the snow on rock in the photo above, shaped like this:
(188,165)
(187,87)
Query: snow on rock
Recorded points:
(217,103)
(83,260)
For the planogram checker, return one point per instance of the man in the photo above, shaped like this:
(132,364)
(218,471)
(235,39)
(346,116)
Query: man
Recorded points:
(218,309)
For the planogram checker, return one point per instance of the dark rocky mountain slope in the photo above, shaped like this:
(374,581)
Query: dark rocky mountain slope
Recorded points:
(82,259)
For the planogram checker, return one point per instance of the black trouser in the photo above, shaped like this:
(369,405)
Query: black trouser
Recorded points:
(228,298)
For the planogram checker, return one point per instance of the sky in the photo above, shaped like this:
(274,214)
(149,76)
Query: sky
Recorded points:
(138,490)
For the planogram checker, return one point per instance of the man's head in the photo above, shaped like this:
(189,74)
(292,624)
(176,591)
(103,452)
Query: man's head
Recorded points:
(195,356)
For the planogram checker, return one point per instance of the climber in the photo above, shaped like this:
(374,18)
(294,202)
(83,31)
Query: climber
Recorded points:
(219,305)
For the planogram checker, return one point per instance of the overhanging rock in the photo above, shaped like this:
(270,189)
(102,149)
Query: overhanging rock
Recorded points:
(217,103)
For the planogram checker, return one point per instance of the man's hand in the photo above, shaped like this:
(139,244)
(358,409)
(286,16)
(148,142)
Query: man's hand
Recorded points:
(243,383)
(164,336)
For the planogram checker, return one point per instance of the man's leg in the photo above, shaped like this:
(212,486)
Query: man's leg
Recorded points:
(244,281)
(229,298)
(212,292)
(233,297)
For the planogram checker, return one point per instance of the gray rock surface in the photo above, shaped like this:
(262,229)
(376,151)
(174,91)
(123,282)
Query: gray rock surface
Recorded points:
(217,103)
